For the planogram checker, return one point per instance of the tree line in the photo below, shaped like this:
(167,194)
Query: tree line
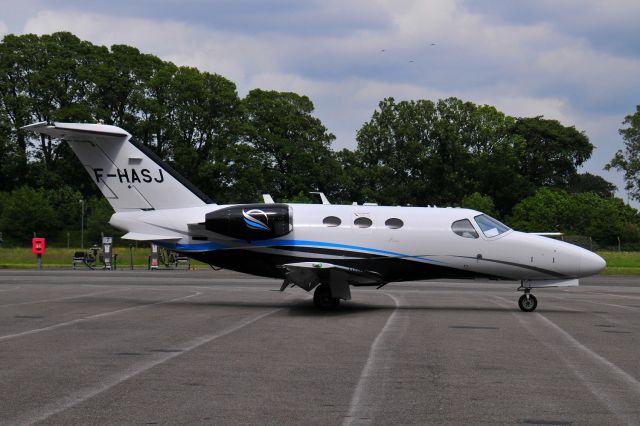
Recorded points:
(447,152)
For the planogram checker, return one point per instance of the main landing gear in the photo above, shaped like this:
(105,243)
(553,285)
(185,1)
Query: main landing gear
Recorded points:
(527,301)
(323,299)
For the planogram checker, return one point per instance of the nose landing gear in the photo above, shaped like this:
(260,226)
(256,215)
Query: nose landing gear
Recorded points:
(527,301)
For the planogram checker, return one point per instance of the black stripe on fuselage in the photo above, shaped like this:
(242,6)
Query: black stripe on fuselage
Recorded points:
(390,268)
(519,265)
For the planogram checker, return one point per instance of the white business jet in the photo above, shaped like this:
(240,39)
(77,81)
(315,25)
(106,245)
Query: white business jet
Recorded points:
(325,247)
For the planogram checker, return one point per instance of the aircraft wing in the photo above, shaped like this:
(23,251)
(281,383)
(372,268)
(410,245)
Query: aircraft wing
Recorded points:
(308,275)
(139,236)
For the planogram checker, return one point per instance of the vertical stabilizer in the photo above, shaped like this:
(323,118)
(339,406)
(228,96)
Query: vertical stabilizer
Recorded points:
(129,175)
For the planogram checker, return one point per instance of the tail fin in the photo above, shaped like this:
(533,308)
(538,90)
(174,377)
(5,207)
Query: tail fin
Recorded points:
(129,175)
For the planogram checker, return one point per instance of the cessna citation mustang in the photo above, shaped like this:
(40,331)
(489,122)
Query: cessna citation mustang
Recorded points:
(314,246)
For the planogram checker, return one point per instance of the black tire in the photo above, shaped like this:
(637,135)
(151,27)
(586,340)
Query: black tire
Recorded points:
(323,300)
(528,303)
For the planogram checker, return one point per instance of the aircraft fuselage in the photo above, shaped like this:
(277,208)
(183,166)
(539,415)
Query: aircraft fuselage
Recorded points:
(399,243)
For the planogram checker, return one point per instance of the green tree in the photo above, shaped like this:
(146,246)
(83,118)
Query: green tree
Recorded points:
(438,153)
(291,149)
(16,56)
(628,160)
(544,211)
(587,182)
(25,211)
(98,212)
(205,129)
(603,219)
(482,203)
(552,152)
(156,128)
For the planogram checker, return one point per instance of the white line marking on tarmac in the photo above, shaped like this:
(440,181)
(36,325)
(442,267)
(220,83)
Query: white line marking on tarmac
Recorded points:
(43,413)
(357,410)
(92,317)
(616,388)
(57,299)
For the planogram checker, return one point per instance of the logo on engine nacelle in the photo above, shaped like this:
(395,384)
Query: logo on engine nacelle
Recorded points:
(255,223)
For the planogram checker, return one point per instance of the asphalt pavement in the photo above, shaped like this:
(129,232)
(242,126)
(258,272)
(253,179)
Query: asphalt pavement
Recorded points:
(207,347)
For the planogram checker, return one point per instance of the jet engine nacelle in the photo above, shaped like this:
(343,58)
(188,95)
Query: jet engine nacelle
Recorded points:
(251,221)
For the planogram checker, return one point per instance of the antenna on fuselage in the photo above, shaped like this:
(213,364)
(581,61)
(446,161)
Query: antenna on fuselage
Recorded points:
(323,197)
(267,199)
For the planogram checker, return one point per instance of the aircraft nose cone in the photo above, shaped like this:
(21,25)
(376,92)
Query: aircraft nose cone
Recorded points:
(591,263)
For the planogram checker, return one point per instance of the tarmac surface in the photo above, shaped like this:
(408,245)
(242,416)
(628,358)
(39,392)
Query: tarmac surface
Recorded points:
(205,347)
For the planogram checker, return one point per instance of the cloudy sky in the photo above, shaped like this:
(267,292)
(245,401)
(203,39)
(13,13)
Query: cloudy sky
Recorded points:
(577,61)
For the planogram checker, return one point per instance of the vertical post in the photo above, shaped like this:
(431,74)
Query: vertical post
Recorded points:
(131,255)
(68,239)
(81,223)
(153,259)
(107,254)
(39,261)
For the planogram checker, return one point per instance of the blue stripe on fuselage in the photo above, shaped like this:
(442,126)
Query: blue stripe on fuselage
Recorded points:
(199,247)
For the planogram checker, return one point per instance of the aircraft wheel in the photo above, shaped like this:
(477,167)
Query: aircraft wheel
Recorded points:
(323,300)
(528,302)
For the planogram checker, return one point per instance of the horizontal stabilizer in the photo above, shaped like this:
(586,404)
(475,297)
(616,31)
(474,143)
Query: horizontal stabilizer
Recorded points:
(547,234)
(138,236)
(78,131)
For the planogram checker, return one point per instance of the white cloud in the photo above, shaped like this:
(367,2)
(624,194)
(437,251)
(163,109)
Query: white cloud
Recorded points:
(235,56)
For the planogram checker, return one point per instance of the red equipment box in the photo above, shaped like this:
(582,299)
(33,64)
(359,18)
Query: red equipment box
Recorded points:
(38,245)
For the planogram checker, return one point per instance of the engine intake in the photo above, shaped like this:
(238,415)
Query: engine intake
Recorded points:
(251,221)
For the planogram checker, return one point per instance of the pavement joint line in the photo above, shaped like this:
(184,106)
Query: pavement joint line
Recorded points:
(34,302)
(67,402)
(616,295)
(11,289)
(614,406)
(91,317)
(614,305)
(360,389)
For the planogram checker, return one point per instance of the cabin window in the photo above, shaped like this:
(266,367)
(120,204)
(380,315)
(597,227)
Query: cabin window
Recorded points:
(362,222)
(490,226)
(394,223)
(332,221)
(464,228)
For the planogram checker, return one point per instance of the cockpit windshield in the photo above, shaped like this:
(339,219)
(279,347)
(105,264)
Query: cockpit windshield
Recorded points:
(489,226)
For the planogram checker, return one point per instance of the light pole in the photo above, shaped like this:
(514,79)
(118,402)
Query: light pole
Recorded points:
(81,223)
